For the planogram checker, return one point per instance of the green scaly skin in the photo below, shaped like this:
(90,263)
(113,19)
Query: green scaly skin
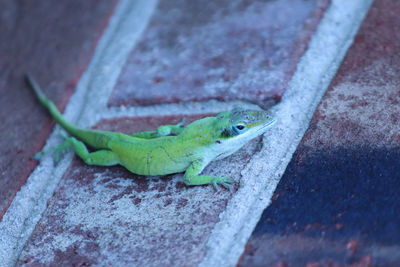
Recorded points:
(169,149)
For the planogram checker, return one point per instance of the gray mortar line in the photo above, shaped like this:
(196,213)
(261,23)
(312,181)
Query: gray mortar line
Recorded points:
(26,209)
(104,77)
(185,108)
(317,67)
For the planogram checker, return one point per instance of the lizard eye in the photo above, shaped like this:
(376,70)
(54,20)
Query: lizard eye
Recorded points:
(239,128)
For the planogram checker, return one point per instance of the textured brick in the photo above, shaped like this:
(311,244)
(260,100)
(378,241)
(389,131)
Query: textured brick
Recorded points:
(108,216)
(338,202)
(225,50)
(54,42)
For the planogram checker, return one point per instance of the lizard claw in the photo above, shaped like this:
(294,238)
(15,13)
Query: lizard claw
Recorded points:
(61,149)
(58,150)
(63,135)
(225,182)
(39,155)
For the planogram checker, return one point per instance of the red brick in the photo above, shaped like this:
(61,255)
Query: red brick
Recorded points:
(225,50)
(54,42)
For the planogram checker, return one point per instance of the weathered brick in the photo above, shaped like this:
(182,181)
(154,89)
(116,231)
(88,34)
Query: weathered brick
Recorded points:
(54,42)
(225,50)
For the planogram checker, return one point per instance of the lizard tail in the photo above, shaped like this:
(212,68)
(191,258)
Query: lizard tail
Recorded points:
(95,138)
(49,105)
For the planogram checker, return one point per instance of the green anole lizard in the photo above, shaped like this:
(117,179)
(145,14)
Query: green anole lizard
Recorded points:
(169,149)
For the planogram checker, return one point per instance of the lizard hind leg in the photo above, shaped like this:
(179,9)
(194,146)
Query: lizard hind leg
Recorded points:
(101,157)
(58,151)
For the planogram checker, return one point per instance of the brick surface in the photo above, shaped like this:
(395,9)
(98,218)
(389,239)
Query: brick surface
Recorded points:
(338,201)
(226,50)
(108,216)
(54,42)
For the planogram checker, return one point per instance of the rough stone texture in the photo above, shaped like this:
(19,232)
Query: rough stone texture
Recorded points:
(108,216)
(338,202)
(54,42)
(226,50)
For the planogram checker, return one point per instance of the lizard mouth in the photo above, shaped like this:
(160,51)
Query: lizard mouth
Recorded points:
(270,123)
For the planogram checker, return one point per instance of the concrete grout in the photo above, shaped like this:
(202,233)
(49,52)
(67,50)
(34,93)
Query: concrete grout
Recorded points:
(316,69)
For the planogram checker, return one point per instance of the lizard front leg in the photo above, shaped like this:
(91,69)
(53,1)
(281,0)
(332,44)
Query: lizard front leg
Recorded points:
(163,130)
(101,157)
(191,176)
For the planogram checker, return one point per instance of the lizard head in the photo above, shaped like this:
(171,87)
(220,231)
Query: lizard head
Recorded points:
(238,126)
